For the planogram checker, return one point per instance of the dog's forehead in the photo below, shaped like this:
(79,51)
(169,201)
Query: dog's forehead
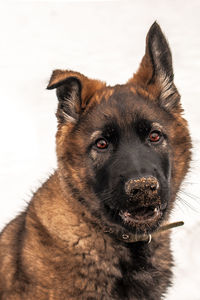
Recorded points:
(124,106)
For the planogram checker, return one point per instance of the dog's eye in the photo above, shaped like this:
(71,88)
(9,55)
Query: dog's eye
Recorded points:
(101,144)
(155,136)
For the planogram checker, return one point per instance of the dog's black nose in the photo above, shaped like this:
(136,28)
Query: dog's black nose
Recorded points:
(141,185)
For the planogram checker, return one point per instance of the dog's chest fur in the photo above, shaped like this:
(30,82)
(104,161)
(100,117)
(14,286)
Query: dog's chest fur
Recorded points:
(112,270)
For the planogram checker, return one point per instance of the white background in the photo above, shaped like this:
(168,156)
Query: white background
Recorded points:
(103,40)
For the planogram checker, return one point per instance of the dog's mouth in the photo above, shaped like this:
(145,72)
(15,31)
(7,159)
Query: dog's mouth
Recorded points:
(141,216)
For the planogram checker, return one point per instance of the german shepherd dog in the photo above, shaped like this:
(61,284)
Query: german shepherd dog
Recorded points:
(122,154)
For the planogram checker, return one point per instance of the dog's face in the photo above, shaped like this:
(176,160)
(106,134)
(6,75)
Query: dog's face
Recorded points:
(123,151)
(128,151)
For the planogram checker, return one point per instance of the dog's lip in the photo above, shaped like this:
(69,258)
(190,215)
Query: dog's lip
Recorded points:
(141,215)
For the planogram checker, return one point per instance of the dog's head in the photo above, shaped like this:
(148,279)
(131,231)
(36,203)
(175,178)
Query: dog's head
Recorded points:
(123,151)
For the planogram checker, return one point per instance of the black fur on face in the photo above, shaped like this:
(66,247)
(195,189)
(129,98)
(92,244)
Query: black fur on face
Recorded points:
(126,140)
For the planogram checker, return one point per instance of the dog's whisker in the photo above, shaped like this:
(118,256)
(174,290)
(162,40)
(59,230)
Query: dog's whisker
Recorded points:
(184,202)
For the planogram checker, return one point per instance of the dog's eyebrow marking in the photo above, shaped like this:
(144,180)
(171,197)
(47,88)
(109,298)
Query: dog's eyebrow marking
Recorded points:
(157,126)
(95,134)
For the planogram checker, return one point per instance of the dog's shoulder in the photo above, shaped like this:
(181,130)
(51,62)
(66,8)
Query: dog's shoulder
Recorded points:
(10,243)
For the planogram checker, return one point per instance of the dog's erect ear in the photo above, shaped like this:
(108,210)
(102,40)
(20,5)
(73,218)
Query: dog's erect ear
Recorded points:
(155,73)
(74,91)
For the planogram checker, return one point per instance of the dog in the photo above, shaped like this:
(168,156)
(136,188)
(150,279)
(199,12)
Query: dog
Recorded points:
(94,229)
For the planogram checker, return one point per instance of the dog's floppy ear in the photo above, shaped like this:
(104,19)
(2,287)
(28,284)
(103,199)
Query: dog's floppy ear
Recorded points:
(74,91)
(155,73)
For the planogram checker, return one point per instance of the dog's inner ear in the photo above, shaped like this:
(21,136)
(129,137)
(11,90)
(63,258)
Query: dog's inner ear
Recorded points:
(155,73)
(74,92)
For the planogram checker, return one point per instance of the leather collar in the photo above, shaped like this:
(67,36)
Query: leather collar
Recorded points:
(133,238)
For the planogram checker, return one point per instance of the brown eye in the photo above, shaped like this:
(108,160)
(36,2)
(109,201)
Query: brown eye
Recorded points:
(101,144)
(154,136)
